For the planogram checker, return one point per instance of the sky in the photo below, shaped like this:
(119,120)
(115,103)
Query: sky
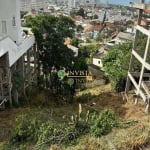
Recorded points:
(123,2)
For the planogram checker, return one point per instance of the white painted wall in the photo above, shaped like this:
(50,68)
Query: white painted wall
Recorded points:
(97,62)
(9,12)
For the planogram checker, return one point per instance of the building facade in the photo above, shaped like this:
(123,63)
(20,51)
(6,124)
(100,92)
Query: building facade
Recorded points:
(28,5)
(25,5)
(14,48)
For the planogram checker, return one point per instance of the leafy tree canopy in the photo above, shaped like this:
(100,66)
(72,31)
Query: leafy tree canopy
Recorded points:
(81,12)
(95,16)
(50,32)
(79,28)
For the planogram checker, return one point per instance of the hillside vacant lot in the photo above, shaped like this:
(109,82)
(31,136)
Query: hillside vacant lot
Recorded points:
(134,136)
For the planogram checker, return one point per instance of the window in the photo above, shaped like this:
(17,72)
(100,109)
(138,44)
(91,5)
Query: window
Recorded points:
(99,62)
(13,21)
(4,27)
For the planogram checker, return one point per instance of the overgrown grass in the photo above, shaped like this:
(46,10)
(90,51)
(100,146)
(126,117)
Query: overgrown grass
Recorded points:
(135,137)
(44,129)
(83,132)
(85,98)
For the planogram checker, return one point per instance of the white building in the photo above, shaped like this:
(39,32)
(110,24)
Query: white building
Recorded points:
(25,5)
(72,3)
(13,48)
(97,59)
(38,4)
(28,5)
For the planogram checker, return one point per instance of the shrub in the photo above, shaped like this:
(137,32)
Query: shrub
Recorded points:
(50,133)
(47,131)
(82,127)
(29,130)
(116,64)
(84,98)
(5,145)
(25,128)
(103,123)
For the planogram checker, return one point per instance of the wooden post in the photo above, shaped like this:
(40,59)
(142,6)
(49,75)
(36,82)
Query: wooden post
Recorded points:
(28,61)
(35,63)
(8,79)
(16,96)
(22,71)
(10,85)
(147,109)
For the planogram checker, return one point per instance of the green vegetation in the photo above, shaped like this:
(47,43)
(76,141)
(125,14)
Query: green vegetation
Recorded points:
(35,130)
(116,63)
(25,128)
(47,124)
(85,57)
(103,123)
(17,80)
(79,28)
(50,33)
(40,129)
(86,97)
(81,12)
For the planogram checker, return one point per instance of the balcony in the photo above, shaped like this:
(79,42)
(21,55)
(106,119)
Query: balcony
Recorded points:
(14,51)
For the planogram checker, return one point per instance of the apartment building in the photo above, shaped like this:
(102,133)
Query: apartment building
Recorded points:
(25,5)
(28,5)
(15,46)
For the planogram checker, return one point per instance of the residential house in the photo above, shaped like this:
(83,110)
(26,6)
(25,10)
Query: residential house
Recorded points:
(120,38)
(123,37)
(97,59)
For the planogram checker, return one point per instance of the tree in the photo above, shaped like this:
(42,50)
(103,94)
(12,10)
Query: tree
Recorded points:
(116,63)
(79,28)
(75,41)
(50,32)
(22,13)
(85,55)
(130,23)
(81,12)
(95,16)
